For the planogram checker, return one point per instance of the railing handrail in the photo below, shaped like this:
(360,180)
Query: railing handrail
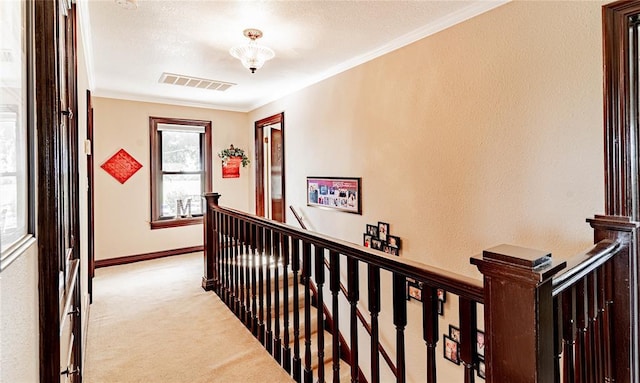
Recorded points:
(457,284)
(584,263)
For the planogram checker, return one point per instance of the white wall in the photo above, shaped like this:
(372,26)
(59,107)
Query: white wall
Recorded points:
(19,324)
(122,211)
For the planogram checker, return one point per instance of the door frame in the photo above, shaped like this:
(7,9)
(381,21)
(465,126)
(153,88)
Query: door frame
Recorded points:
(259,161)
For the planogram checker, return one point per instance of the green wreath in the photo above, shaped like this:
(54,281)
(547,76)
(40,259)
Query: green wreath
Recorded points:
(233,152)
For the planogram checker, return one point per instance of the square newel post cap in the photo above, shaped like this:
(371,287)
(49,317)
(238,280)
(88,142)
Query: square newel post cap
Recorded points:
(212,197)
(519,262)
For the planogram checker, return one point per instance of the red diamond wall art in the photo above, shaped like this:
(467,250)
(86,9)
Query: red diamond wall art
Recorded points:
(121,166)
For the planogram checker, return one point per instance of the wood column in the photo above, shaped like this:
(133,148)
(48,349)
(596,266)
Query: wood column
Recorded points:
(518,313)
(211,243)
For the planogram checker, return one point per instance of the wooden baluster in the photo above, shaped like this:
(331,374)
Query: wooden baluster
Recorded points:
(229,251)
(306,270)
(400,321)
(557,337)
(225,247)
(568,335)
(334,286)
(468,337)
(374,310)
(599,299)
(581,323)
(211,243)
(354,294)
(247,273)
(286,352)
(592,322)
(254,280)
(269,283)
(241,271)
(277,343)
(319,274)
(260,260)
(295,268)
(235,255)
(430,328)
(607,322)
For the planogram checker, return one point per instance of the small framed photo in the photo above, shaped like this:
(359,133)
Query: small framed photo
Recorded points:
(414,292)
(481,369)
(383,231)
(390,250)
(440,308)
(393,241)
(454,333)
(450,348)
(480,344)
(372,230)
(376,243)
(442,295)
(366,241)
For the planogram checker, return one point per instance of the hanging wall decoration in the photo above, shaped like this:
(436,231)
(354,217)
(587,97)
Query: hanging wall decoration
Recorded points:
(232,158)
(339,193)
(121,166)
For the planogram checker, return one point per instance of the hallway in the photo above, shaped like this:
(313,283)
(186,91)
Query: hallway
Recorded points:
(152,322)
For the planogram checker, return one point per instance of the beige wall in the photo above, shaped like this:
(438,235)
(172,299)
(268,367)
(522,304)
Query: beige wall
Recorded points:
(122,211)
(485,133)
(19,336)
(488,132)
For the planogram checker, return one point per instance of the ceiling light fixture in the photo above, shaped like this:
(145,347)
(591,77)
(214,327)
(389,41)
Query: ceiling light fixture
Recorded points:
(252,55)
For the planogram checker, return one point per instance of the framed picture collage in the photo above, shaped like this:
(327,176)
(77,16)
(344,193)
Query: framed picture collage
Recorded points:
(378,237)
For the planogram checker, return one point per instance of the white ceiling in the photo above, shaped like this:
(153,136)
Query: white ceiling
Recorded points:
(128,50)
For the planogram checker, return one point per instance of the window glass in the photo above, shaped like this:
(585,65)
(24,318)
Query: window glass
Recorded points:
(181,187)
(13,125)
(180,151)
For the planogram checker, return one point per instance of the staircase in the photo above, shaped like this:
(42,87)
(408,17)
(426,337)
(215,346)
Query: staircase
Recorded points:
(281,343)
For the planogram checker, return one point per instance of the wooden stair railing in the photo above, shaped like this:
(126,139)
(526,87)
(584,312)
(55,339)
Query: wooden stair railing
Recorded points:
(376,346)
(537,312)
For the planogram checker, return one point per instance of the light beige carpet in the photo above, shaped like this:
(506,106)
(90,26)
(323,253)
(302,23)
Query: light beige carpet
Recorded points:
(152,322)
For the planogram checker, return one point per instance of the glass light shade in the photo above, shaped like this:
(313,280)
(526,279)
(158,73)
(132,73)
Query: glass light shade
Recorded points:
(252,55)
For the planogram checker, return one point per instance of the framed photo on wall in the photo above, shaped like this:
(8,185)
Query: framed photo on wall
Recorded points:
(339,193)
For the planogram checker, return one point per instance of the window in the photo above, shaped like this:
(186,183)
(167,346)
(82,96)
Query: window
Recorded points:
(180,170)
(16,194)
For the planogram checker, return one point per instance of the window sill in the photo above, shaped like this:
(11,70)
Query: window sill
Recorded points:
(168,223)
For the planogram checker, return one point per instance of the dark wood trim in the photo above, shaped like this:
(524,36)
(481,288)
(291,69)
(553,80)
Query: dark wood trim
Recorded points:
(167,223)
(259,161)
(48,171)
(622,192)
(146,256)
(156,174)
(90,199)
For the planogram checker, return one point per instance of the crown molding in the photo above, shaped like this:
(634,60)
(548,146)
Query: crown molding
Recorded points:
(164,100)
(475,9)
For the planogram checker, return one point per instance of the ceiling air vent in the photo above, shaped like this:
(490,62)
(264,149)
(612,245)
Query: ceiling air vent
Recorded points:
(194,82)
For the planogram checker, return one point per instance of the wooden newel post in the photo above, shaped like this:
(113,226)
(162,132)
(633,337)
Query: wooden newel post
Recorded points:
(622,298)
(518,314)
(211,243)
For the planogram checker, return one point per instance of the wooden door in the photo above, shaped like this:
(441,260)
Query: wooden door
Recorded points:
(270,168)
